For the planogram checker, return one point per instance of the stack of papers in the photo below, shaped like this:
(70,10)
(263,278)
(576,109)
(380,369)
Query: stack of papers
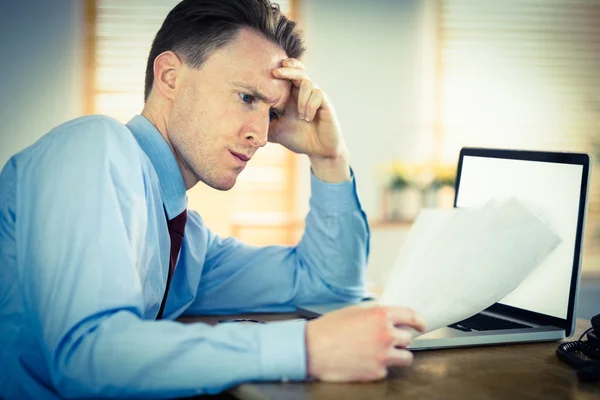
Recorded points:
(456,263)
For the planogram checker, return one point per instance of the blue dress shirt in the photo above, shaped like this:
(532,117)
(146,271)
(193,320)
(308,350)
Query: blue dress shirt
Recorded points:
(84,261)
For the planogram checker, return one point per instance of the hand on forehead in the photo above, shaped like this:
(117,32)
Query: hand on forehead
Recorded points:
(280,87)
(261,57)
(292,70)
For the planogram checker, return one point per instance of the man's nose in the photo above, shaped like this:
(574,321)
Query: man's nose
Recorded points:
(257,132)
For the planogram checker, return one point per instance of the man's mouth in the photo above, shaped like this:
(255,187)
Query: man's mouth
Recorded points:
(240,156)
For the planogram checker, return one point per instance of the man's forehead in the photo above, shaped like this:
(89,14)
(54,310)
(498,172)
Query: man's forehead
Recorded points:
(259,57)
(274,89)
(250,59)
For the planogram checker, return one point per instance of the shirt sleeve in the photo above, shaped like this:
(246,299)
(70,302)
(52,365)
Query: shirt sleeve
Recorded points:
(79,233)
(327,265)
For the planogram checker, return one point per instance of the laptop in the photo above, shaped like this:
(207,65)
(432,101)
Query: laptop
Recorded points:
(542,307)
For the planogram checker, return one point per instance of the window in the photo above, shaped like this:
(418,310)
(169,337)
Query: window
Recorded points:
(521,74)
(120,34)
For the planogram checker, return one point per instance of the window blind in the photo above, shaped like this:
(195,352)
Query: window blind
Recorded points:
(521,74)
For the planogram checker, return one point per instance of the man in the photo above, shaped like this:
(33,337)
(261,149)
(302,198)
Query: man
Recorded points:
(99,254)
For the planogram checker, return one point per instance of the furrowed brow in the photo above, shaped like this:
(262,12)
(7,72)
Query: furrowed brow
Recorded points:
(259,95)
(254,92)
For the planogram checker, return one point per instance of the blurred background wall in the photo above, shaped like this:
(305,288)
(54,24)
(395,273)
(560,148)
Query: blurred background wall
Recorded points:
(41,72)
(366,56)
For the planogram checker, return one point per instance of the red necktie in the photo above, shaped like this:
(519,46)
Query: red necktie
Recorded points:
(176,230)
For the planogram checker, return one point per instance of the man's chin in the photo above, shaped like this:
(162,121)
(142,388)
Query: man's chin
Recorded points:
(224,188)
(223,184)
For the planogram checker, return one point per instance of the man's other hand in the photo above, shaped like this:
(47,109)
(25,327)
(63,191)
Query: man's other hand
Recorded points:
(359,343)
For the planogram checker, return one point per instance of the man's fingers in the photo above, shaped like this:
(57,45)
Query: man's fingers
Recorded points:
(293,74)
(399,358)
(313,105)
(405,316)
(402,338)
(303,97)
(292,63)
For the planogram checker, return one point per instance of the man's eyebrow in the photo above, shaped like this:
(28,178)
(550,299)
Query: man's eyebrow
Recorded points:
(259,95)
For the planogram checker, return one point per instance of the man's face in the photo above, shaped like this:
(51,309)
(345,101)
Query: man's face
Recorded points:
(218,119)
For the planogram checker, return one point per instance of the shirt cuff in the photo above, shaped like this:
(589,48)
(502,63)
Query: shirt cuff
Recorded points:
(334,197)
(283,350)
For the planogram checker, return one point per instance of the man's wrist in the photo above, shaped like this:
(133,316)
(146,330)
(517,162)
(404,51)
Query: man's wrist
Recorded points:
(283,359)
(331,169)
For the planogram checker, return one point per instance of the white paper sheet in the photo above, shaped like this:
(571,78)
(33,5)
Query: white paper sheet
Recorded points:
(455,263)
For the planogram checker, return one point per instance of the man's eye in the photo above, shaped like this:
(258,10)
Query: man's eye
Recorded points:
(246,98)
(273,115)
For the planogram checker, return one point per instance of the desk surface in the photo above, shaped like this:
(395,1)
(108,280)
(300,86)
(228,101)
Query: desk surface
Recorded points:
(514,371)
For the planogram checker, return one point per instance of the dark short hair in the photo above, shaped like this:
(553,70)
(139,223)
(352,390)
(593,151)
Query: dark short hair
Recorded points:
(196,28)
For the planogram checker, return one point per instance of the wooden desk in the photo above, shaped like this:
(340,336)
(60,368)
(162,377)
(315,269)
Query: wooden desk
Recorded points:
(516,371)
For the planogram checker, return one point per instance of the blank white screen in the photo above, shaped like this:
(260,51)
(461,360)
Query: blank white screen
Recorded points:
(552,190)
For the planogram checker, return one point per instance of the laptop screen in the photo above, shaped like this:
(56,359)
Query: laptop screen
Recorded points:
(552,190)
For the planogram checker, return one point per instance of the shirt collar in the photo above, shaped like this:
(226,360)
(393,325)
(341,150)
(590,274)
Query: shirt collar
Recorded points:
(172,187)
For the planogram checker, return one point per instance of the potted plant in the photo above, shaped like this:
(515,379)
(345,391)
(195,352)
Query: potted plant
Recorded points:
(443,185)
(402,198)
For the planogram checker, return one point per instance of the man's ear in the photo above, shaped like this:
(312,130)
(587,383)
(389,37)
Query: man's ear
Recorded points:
(167,73)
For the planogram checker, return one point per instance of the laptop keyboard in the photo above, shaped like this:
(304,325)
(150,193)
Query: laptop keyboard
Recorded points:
(482,322)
